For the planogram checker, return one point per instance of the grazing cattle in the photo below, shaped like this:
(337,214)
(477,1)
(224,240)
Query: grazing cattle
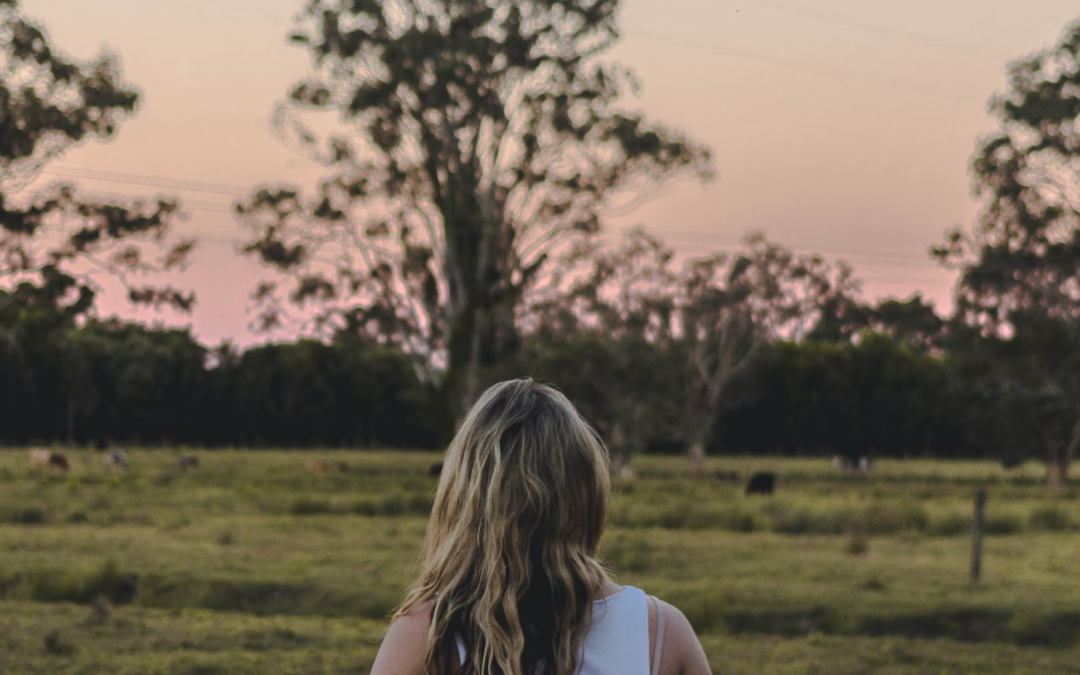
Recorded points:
(58,462)
(761,483)
(40,456)
(727,476)
(316,466)
(435,470)
(852,462)
(185,462)
(117,459)
(343,467)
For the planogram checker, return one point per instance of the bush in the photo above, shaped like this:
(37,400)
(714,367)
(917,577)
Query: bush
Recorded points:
(803,521)
(31,515)
(1002,524)
(306,506)
(950,525)
(858,542)
(1049,519)
(45,585)
(77,517)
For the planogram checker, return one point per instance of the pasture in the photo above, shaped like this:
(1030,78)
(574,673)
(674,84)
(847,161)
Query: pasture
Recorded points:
(251,562)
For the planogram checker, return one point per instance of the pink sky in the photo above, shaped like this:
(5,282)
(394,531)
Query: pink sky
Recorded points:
(838,126)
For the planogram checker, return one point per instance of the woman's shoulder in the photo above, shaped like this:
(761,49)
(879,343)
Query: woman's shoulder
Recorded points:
(404,648)
(680,651)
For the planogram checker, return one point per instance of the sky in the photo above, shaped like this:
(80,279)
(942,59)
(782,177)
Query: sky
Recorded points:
(843,127)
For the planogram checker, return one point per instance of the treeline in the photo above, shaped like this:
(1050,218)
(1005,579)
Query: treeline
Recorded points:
(109,382)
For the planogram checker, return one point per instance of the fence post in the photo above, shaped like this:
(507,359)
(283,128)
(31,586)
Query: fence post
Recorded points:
(976,540)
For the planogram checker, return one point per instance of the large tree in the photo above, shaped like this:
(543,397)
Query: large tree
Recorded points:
(708,320)
(1020,266)
(730,306)
(477,136)
(55,242)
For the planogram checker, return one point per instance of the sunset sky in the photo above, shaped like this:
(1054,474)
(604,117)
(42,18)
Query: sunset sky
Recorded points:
(838,126)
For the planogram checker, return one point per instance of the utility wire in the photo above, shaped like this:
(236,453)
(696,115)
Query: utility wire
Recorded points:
(720,49)
(876,29)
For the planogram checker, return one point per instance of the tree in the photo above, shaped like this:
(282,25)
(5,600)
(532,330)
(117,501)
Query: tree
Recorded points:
(52,243)
(597,329)
(728,308)
(1020,266)
(707,323)
(480,136)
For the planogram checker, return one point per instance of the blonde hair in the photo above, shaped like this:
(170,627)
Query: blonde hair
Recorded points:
(510,554)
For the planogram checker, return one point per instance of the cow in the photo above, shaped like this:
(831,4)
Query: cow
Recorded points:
(58,462)
(852,462)
(343,467)
(185,462)
(761,483)
(40,456)
(727,476)
(117,459)
(316,466)
(435,470)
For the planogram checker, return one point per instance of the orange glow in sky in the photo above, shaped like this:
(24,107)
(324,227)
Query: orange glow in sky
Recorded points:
(838,126)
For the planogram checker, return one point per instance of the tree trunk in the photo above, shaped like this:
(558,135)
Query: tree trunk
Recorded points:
(697,458)
(1060,458)
(1057,471)
(481,335)
(71,420)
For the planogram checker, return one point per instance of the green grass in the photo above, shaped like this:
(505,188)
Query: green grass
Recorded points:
(251,563)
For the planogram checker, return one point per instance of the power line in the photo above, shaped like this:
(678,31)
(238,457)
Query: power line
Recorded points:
(718,49)
(897,34)
(868,78)
(150,181)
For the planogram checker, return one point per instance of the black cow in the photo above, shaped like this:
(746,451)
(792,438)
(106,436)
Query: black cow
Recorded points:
(435,470)
(761,483)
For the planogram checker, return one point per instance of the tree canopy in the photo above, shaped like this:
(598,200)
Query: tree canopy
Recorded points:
(1020,267)
(52,242)
(478,136)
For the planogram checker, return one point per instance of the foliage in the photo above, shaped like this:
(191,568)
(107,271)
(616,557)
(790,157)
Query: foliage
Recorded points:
(877,397)
(1020,268)
(52,242)
(479,137)
(109,381)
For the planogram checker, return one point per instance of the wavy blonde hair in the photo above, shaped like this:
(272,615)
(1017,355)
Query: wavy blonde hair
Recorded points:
(510,554)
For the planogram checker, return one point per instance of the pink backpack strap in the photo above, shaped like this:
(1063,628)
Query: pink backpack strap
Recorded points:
(659,649)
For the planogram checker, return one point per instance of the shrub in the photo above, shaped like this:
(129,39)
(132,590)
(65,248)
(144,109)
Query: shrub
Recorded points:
(737,520)
(880,521)
(76,517)
(950,525)
(858,541)
(1002,524)
(914,518)
(1049,518)
(45,585)
(31,515)
(306,506)
(803,521)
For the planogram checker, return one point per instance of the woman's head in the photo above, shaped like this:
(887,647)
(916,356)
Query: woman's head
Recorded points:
(510,551)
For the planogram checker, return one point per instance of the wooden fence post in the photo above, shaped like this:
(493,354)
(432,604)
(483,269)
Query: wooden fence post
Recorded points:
(976,540)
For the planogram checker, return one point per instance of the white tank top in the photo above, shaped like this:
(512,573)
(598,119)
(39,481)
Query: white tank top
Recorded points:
(618,641)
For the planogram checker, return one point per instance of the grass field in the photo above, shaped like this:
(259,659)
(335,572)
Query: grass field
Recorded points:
(251,563)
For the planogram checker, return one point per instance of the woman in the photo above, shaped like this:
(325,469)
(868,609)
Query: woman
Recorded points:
(510,583)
